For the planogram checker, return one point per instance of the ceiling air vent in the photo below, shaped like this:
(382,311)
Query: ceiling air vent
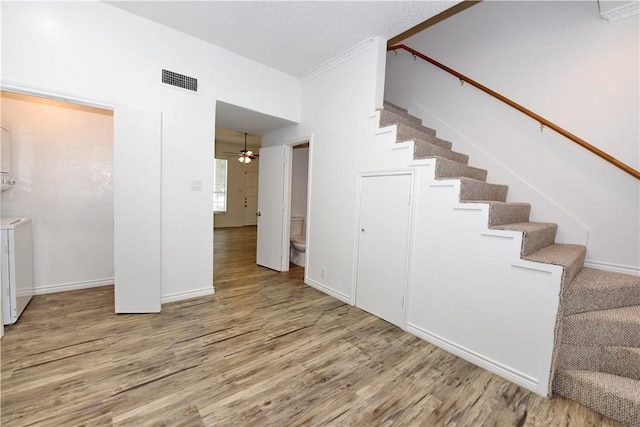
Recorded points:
(179,80)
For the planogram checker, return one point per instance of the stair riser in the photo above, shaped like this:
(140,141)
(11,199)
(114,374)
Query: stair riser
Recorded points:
(570,257)
(535,240)
(622,361)
(424,149)
(388,118)
(600,290)
(599,399)
(594,332)
(450,169)
(482,191)
(600,299)
(406,133)
(398,110)
(509,213)
(572,270)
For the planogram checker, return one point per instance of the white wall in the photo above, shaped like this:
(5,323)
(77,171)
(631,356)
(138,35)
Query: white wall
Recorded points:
(299,181)
(95,51)
(562,61)
(234,216)
(336,106)
(63,164)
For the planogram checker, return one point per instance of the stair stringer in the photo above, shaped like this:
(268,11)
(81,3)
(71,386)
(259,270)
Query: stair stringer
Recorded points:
(385,152)
(469,291)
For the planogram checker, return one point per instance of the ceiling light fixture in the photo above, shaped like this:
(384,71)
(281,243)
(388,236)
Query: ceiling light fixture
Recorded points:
(246,155)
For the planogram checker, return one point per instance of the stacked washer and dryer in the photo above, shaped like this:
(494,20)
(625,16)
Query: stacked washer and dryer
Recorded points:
(16,259)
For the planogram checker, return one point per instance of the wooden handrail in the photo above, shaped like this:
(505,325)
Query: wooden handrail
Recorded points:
(543,122)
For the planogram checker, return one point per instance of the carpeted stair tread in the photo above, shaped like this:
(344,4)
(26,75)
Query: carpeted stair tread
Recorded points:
(446,168)
(613,396)
(424,149)
(508,213)
(612,327)
(472,190)
(598,290)
(615,360)
(535,235)
(389,118)
(405,133)
(571,257)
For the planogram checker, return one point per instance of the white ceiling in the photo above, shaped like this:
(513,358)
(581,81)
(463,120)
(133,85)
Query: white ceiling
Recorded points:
(294,37)
(291,36)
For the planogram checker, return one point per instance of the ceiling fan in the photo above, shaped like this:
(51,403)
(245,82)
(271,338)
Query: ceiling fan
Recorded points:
(245,156)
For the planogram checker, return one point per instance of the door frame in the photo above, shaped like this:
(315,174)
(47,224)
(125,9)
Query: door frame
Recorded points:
(286,220)
(411,229)
(41,92)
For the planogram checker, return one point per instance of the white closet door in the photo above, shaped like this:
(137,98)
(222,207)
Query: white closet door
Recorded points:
(383,245)
(137,168)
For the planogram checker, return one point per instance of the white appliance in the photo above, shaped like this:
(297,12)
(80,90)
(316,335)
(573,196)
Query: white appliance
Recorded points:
(17,267)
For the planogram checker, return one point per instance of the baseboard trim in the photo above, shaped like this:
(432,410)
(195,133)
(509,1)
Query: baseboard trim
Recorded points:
(322,288)
(477,359)
(179,296)
(65,287)
(615,268)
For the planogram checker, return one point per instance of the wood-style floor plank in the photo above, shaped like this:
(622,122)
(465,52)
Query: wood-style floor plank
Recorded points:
(264,350)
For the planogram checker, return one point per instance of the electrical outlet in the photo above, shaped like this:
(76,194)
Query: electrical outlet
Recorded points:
(323,273)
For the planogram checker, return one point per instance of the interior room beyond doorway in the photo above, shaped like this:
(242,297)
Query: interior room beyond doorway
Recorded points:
(238,206)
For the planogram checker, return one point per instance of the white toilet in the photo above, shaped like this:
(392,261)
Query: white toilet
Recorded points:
(298,241)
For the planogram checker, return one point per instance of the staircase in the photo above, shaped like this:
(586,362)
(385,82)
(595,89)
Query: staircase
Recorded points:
(597,348)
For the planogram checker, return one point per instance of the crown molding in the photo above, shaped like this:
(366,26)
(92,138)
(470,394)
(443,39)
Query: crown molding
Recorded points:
(622,12)
(337,60)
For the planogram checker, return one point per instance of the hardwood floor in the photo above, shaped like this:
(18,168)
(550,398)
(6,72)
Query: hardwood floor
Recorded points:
(235,255)
(265,350)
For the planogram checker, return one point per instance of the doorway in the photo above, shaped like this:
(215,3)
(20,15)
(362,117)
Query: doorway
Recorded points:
(275,202)
(78,191)
(298,203)
(62,161)
(237,207)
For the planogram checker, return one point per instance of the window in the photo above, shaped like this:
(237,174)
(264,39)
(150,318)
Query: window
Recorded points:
(220,185)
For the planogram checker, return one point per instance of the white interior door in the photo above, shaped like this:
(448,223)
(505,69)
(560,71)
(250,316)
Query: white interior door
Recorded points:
(250,198)
(383,245)
(270,250)
(137,166)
